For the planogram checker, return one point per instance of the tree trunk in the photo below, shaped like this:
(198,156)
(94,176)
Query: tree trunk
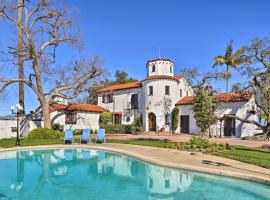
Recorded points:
(46,114)
(20,57)
(227,79)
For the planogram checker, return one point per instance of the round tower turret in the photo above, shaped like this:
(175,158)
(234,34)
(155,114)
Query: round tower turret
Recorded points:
(160,66)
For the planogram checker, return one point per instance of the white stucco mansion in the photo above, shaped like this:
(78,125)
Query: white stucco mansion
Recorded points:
(153,99)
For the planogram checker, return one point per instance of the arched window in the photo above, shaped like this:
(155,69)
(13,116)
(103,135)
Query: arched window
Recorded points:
(153,68)
(170,69)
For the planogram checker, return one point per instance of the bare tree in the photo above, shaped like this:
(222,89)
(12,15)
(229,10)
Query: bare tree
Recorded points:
(45,27)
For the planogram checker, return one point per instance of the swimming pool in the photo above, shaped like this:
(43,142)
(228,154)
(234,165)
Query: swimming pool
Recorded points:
(92,174)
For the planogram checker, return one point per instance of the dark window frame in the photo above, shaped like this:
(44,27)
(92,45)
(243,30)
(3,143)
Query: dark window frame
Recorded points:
(181,93)
(167,90)
(134,102)
(71,117)
(151,90)
(104,98)
(153,68)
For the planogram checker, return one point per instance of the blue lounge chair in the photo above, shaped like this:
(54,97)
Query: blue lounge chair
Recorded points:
(86,136)
(101,135)
(68,136)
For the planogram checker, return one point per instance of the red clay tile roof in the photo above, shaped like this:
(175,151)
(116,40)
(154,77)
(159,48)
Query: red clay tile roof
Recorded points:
(221,97)
(176,78)
(123,86)
(79,107)
(137,84)
(185,100)
(159,59)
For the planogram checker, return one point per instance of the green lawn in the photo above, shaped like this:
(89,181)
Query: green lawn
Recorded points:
(255,156)
(7,143)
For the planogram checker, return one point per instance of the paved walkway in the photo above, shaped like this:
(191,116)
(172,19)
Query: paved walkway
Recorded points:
(185,137)
(180,159)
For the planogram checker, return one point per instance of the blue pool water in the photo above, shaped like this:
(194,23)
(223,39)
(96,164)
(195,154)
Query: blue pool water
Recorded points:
(90,174)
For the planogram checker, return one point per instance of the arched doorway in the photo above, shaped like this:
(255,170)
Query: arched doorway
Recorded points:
(152,122)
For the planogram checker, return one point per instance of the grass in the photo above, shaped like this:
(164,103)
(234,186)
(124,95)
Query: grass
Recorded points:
(151,143)
(255,156)
(10,142)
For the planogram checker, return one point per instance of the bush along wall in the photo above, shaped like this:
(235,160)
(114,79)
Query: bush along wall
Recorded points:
(44,133)
(118,128)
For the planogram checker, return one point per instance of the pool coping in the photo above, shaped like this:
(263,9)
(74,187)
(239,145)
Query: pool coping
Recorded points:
(147,159)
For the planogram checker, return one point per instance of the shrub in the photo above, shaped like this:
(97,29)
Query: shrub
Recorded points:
(175,119)
(78,132)
(105,118)
(57,127)
(118,128)
(198,144)
(137,124)
(44,133)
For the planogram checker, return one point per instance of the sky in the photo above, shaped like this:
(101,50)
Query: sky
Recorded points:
(127,33)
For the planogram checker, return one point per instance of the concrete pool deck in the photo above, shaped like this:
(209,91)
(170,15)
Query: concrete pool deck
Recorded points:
(186,137)
(197,162)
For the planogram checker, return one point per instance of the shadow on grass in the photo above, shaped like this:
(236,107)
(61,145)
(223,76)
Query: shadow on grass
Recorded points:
(152,140)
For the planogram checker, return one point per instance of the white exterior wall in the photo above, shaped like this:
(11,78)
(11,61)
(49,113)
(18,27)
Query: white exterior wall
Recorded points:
(161,68)
(84,120)
(5,128)
(6,125)
(159,103)
(188,110)
(122,100)
(239,109)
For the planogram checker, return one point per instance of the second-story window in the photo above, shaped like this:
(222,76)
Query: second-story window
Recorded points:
(150,92)
(186,93)
(104,98)
(167,90)
(153,68)
(134,101)
(110,98)
(170,69)
(181,92)
(107,98)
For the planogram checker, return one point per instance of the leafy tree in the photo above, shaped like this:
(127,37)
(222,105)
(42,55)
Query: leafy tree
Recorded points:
(105,118)
(230,60)
(120,78)
(237,87)
(204,108)
(175,119)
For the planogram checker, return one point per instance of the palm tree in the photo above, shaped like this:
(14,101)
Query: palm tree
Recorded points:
(230,60)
